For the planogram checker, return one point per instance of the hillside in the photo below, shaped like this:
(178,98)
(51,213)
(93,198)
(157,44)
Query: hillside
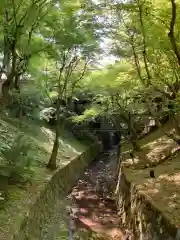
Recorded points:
(161,154)
(18,197)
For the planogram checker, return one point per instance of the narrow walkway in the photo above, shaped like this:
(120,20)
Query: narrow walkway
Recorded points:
(93,206)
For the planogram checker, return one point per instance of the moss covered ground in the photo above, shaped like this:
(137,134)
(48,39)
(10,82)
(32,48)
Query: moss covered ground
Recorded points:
(19,197)
(160,153)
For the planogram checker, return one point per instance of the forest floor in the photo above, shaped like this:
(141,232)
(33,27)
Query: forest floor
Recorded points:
(161,154)
(18,197)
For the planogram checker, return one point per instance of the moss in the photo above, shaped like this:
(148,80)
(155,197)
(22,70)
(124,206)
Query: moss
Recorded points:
(151,137)
(30,209)
(41,138)
(21,198)
(150,206)
(140,215)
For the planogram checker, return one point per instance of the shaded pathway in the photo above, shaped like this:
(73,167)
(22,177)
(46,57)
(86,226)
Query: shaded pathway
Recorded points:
(93,205)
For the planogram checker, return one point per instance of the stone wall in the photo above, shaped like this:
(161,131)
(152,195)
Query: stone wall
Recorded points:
(138,214)
(58,187)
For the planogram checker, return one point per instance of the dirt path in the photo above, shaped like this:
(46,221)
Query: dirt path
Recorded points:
(94,207)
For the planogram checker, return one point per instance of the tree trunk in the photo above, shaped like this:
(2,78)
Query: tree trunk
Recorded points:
(52,161)
(176,123)
(5,90)
(126,117)
(140,7)
(6,53)
(118,163)
(136,60)
(8,83)
(171,33)
(133,134)
(135,145)
(16,83)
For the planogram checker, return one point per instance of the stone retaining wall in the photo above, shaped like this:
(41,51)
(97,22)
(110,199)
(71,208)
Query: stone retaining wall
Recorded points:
(137,214)
(58,187)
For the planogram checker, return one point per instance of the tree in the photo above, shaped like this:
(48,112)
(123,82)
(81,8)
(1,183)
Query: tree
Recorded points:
(116,96)
(21,24)
(71,45)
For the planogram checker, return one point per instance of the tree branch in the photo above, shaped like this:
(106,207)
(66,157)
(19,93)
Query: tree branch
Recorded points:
(144,41)
(14,12)
(135,55)
(159,19)
(79,79)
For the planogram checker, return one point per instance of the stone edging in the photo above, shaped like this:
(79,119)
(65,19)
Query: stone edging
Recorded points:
(58,186)
(140,216)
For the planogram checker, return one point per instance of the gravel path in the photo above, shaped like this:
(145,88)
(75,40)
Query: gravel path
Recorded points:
(94,207)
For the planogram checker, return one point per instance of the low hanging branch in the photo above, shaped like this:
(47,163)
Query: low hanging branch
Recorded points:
(136,59)
(171,33)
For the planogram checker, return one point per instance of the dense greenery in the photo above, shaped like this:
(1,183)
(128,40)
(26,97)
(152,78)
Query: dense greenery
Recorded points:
(53,79)
(144,84)
(49,58)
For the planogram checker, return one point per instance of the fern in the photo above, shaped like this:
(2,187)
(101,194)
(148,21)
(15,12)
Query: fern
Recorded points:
(18,160)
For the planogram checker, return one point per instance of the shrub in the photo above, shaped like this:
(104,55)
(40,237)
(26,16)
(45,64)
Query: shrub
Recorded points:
(25,104)
(18,160)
